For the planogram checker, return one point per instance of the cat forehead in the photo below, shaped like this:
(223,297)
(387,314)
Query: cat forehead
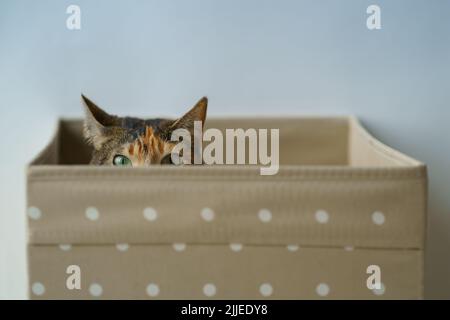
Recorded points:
(137,128)
(147,145)
(145,133)
(138,133)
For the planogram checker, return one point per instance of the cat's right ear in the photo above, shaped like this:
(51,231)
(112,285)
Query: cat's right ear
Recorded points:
(95,122)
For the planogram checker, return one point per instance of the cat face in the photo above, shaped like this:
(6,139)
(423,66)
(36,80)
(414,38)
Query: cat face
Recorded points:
(134,142)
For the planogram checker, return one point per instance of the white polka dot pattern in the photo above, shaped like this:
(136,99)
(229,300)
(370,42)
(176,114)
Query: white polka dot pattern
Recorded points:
(122,246)
(95,290)
(179,247)
(236,247)
(38,289)
(265,215)
(207,214)
(34,213)
(378,218)
(322,216)
(266,289)
(209,290)
(150,214)
(92,213)
(65,247)
(323,289)
(152,290)
(292,247)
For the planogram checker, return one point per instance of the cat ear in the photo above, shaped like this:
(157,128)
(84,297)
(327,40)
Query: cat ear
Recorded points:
(197,113)
(95,122)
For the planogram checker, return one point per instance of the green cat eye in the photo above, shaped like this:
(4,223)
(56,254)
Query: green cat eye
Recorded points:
(121,161)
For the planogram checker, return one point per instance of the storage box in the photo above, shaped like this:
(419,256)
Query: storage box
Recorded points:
(340,203)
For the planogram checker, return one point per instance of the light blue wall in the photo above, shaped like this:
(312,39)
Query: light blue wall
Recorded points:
(252,57)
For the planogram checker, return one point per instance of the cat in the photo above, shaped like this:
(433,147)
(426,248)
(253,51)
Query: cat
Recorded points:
(133,142)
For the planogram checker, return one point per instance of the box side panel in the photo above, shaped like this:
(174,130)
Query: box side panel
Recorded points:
(74,148)
(377,212)
(222,272)
(51,153)
(366,151)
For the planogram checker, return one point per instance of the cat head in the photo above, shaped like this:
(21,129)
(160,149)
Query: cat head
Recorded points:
(126,141)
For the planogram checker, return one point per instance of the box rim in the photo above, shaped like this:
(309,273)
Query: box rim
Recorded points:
(409,168)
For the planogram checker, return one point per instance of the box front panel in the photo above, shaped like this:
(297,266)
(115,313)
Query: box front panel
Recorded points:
(323,209)
(235,271)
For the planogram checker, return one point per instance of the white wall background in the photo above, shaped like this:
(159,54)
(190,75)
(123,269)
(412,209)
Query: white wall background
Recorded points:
(252,57)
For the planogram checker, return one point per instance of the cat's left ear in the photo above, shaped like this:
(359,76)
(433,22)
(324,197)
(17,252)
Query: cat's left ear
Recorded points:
(197,113)
(96,122)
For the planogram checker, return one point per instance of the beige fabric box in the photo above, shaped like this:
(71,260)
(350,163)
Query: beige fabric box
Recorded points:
(341,201)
